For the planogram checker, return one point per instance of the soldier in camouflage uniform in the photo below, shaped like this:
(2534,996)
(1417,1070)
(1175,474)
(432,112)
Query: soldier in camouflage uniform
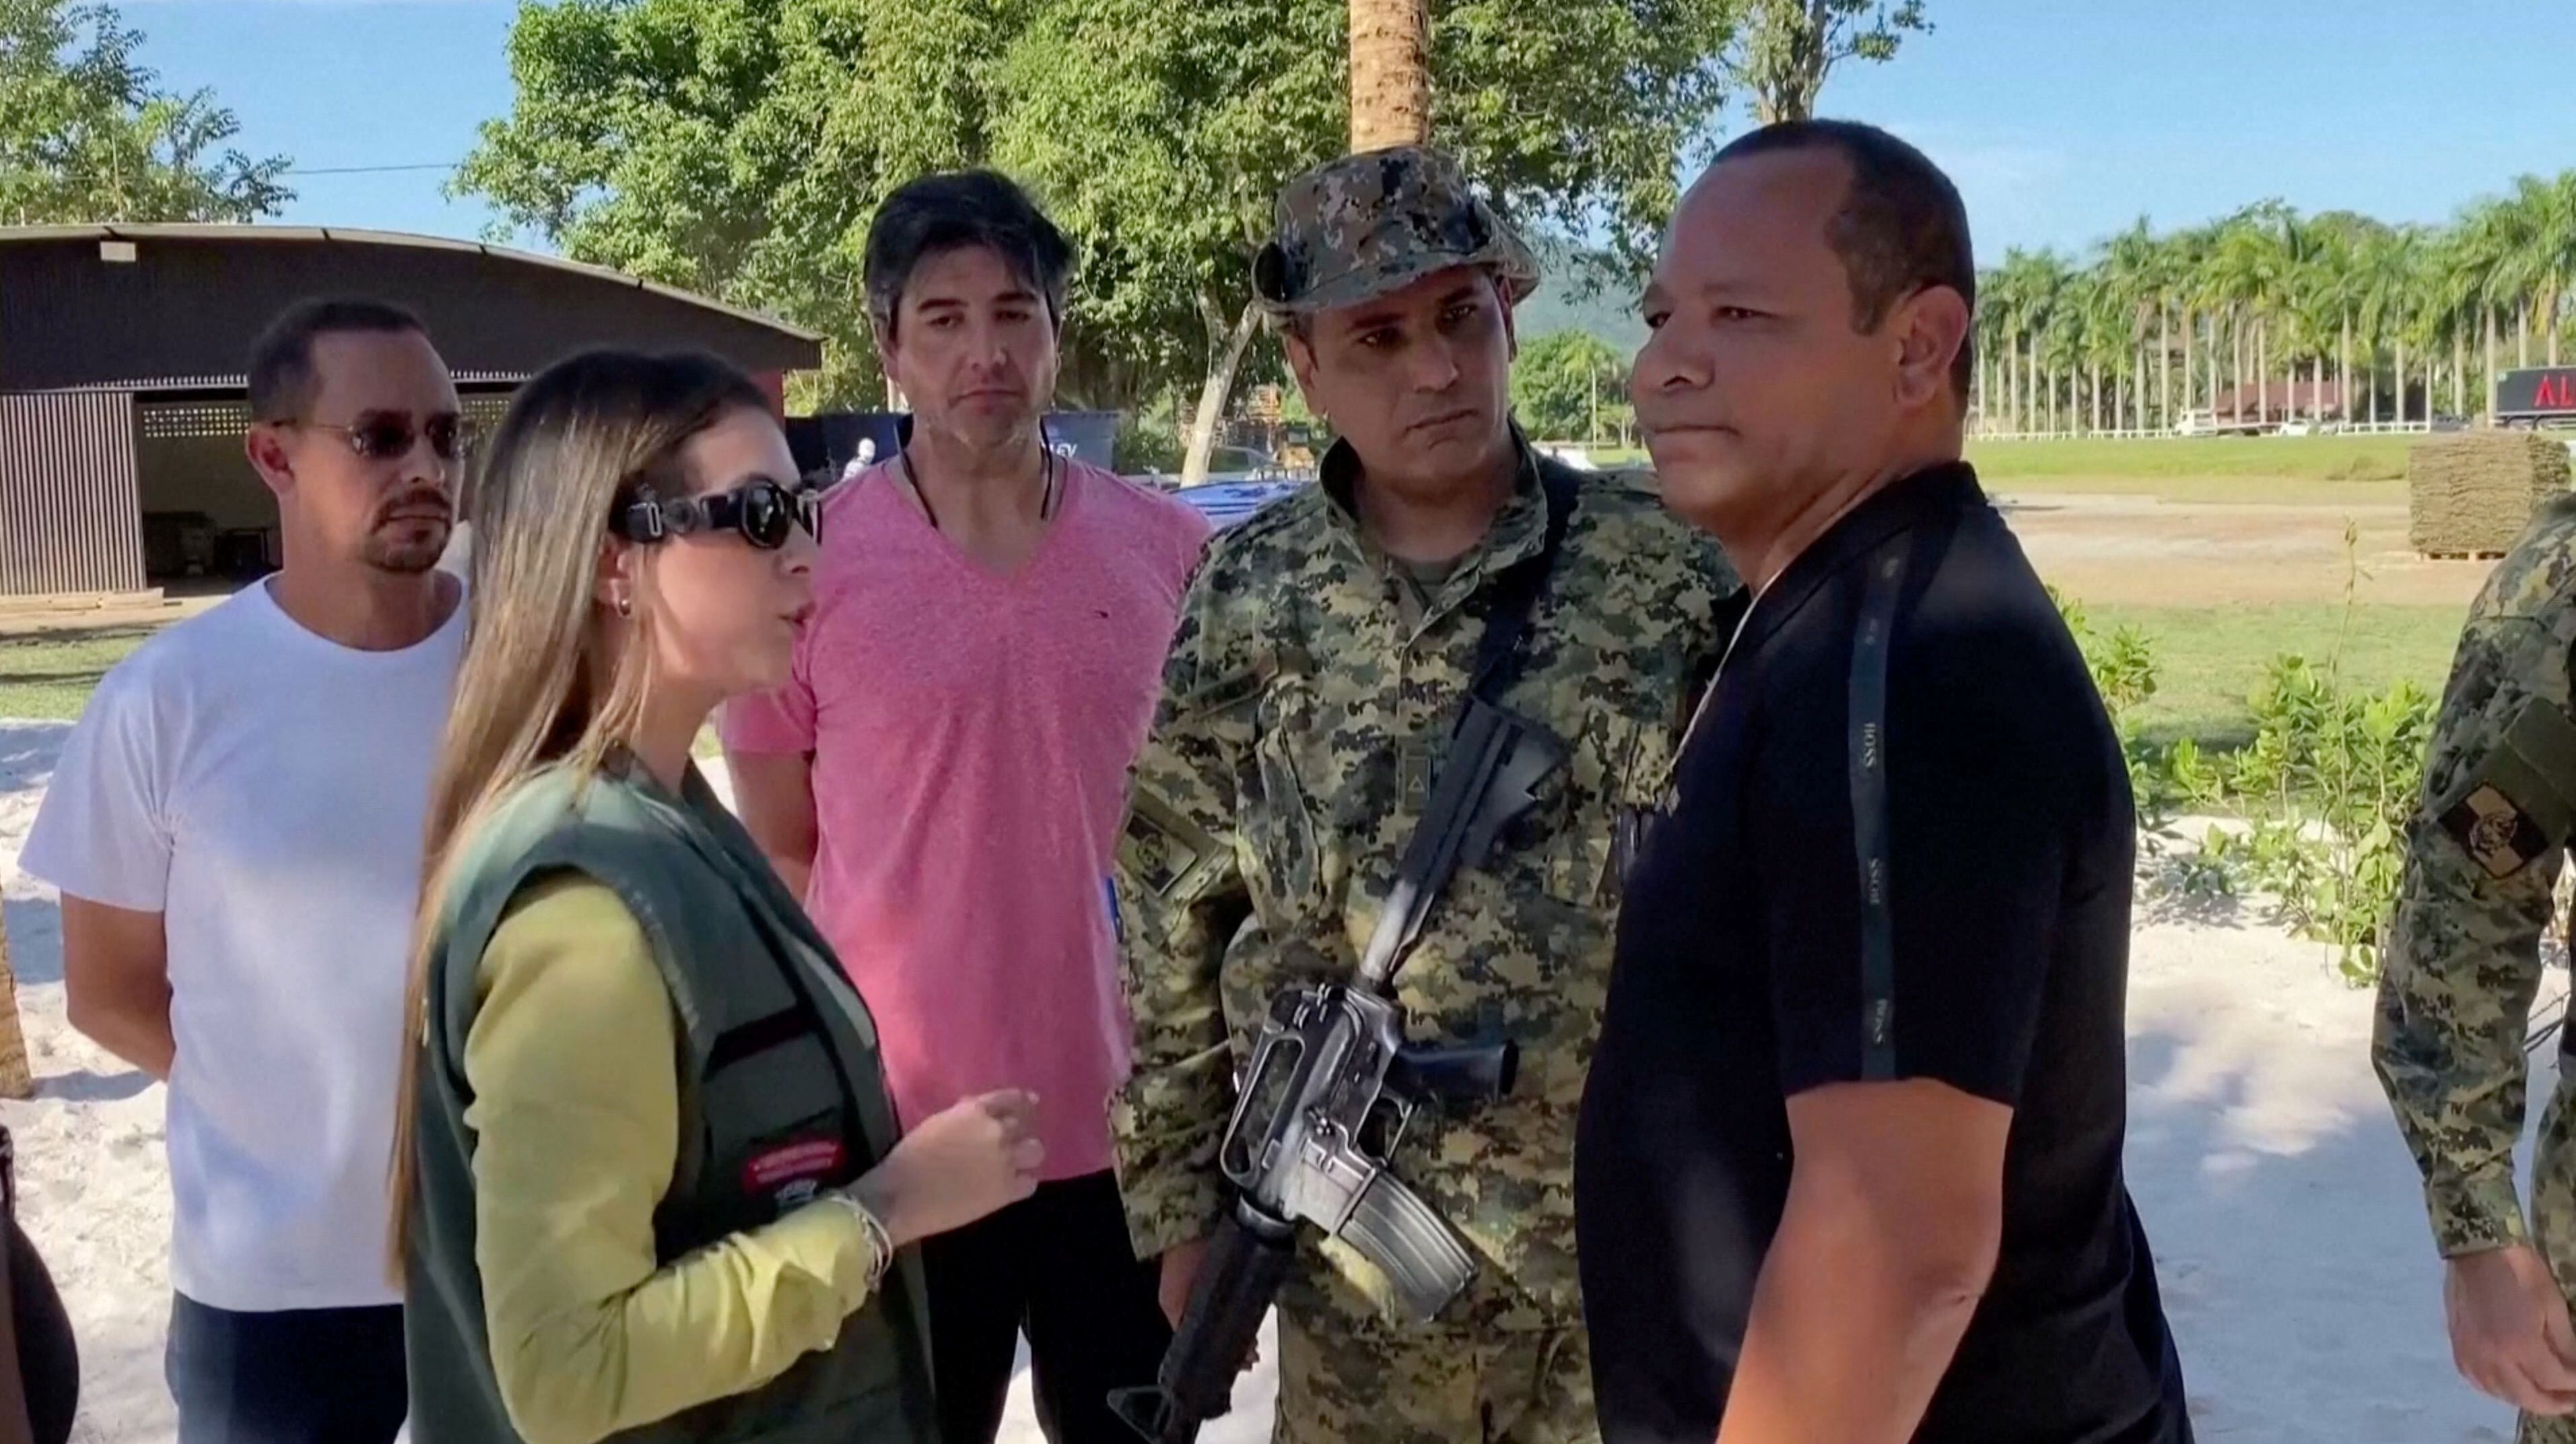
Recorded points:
(1323,653)
(2463,962)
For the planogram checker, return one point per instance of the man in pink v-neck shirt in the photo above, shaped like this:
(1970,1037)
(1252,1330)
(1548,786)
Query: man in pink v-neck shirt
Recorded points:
(946,775)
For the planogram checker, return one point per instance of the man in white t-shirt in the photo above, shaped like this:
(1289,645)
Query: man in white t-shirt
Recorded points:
(236,829)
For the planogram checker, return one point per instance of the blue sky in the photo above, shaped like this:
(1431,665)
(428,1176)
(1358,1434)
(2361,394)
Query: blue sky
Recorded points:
(2063,120)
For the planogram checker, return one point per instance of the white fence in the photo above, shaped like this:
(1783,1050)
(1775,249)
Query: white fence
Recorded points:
(2160,433)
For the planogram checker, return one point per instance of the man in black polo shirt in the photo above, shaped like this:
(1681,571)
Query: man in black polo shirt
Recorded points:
(1849,1167)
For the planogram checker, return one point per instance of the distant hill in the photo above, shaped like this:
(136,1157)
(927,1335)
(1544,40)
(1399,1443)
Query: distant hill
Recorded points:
(1578,291)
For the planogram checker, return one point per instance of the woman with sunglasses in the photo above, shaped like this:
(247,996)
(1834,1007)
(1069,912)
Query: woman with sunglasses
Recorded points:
(648,1179)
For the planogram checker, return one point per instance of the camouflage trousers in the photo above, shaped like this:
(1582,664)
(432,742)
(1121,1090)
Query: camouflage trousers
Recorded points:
(2553,1227)
(1375,1384)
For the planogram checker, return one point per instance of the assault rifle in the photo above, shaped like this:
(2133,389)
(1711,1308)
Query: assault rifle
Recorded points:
(1331,1088)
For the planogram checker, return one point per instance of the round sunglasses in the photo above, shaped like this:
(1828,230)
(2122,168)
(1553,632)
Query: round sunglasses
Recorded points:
(764,513)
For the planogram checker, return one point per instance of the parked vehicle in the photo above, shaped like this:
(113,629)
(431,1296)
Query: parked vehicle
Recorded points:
(1225,503)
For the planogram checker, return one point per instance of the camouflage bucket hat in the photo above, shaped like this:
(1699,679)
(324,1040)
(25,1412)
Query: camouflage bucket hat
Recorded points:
(1377,222)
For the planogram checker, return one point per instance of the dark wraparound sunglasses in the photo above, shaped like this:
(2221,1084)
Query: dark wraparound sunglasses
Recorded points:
(764,512)
(390,436)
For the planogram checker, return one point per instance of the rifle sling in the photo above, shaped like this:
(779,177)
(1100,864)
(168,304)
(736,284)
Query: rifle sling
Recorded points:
(1498,665)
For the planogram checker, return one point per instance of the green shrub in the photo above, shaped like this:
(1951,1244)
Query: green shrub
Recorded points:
(2323,790)
(2123,664)
(2327,785)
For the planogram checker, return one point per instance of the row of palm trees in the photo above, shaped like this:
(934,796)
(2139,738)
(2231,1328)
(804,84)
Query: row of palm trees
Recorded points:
(2269,316)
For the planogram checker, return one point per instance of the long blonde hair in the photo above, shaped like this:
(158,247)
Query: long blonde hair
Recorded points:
(537,686)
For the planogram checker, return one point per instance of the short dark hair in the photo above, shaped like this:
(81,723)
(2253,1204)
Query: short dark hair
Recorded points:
(281,360)
(951,209)
(1901,227)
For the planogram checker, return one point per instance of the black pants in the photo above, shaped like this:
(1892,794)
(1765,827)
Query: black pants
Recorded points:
(48,1359)
(1057,1267)
(307,1376)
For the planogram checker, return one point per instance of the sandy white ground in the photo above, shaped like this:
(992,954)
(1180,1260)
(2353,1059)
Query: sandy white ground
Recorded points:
(2284,1214)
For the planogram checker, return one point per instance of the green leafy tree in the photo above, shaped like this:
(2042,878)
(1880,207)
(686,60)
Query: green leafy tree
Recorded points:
(1788,47)
(1568,385)
(87,134)
(1167,145)
(2267,299)
(738,147)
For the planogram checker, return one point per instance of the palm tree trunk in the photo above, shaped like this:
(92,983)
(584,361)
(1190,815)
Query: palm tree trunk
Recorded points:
(2021,380)
(2237,332)
(2226,366)
(2012,383)
(1390,73)
(2491,366)
(2025,388)
(2262,369)
(2459,375)
(2343,370)
(2190,376)
(2164,362)
(2522,332)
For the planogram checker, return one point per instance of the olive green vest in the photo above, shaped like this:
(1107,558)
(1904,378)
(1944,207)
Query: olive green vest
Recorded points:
(780,1093)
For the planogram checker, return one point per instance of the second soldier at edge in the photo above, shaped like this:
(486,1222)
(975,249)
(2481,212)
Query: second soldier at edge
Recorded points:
(1322,656)
(2483,855)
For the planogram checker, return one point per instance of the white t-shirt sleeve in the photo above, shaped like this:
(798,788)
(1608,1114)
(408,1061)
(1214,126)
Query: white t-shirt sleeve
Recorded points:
(102,833)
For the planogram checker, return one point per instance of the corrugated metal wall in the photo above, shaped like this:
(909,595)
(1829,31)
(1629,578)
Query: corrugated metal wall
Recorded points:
(70,518)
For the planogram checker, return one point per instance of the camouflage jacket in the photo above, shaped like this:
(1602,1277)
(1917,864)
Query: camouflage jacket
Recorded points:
(1304,708)
(2482,858)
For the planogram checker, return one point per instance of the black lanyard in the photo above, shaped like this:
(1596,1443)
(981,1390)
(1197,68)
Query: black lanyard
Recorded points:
(1046,496)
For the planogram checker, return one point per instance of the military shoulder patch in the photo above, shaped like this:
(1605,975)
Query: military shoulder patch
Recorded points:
(1163,852)
(2496,833)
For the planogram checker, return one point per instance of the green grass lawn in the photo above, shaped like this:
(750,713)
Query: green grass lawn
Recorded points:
(2197,458)
(49,676)
(2292,470)
(2210,659)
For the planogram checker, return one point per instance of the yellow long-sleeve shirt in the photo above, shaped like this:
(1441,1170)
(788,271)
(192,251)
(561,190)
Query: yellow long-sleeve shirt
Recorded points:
(576,1126)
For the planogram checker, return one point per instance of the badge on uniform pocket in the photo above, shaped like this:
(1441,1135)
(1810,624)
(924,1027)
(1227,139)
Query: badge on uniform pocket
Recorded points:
(794,1171)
